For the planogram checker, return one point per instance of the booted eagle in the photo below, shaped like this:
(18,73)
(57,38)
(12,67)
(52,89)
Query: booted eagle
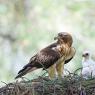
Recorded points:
(58,53)
(88,64)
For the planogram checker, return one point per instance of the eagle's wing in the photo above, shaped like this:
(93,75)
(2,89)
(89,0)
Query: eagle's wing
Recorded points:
(71,55)
(43,59)
(68,60)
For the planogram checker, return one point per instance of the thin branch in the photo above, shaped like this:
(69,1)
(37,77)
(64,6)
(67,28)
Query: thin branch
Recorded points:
(8,37)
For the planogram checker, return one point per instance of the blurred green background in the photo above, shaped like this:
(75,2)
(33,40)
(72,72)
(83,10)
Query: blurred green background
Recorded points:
(27,26)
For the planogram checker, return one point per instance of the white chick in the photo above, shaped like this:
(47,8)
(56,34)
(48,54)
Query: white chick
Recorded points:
(88,65)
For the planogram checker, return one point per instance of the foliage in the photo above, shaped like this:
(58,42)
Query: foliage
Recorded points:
(26,26)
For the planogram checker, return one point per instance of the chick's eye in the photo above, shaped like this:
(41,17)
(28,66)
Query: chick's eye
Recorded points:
(86,54)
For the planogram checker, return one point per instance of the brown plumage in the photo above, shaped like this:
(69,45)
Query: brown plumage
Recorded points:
(67,52)
(57,53)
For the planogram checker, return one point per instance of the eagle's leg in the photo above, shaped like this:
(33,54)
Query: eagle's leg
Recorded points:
(59,69)
(52,72)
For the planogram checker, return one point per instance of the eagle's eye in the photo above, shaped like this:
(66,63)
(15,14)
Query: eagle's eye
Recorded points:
(60,34)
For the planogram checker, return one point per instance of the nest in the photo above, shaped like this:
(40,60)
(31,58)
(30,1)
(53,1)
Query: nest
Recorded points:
(69,85)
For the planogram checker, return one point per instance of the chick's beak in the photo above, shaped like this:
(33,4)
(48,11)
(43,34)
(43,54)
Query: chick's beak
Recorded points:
(83,55)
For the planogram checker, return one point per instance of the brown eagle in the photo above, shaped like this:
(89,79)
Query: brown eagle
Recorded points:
(53,57)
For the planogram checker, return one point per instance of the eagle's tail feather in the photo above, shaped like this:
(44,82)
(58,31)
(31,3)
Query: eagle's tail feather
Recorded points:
(26,69)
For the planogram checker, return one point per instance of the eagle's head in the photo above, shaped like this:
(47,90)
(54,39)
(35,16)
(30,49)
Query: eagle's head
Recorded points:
(64,37)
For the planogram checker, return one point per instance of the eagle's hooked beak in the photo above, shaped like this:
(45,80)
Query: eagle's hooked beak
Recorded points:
(55,38)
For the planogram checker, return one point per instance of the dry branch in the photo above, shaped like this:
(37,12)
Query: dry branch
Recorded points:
(44,86)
